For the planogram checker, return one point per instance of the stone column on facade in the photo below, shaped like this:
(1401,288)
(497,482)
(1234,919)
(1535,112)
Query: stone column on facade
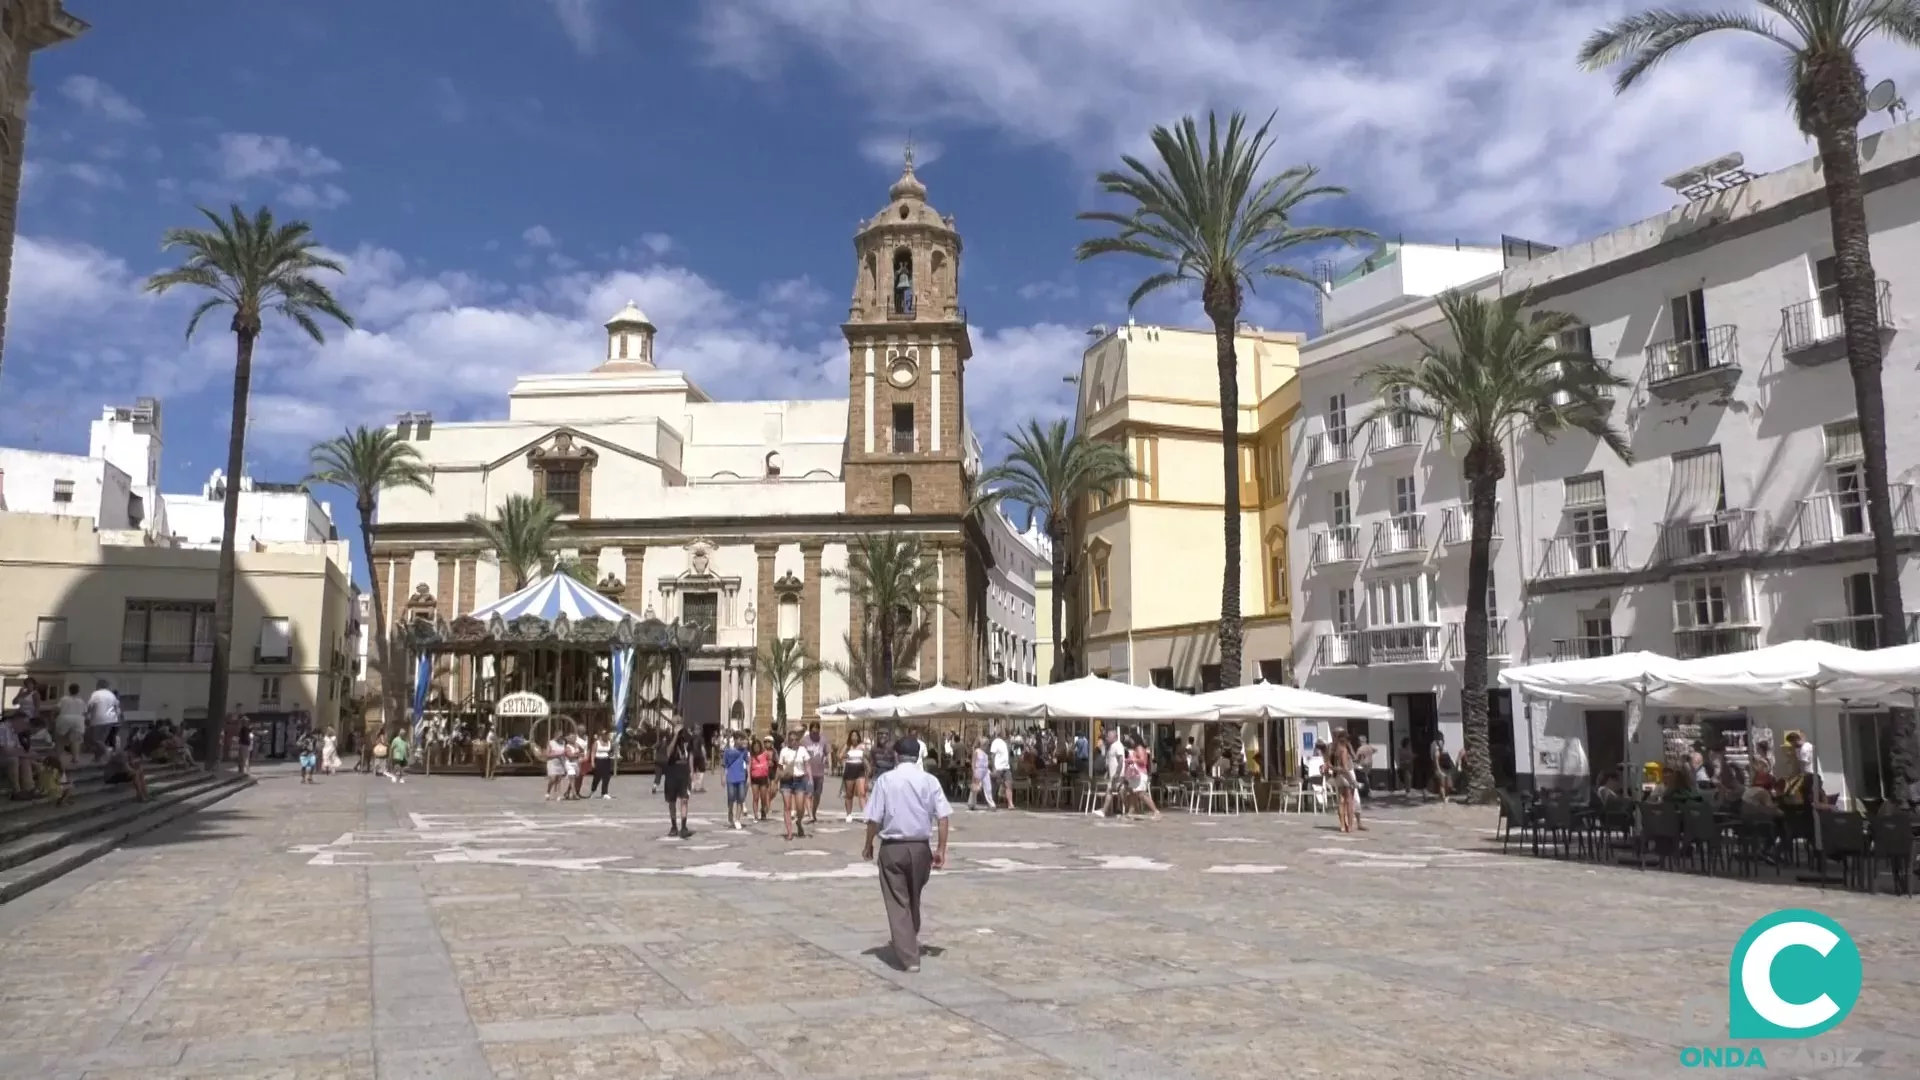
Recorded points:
(634,597)
(766,626)
(960,646)
(811,598)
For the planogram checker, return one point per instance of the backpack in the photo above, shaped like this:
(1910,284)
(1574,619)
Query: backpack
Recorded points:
(380,749)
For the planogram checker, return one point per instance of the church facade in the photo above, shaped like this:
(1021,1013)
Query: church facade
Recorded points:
(733,514)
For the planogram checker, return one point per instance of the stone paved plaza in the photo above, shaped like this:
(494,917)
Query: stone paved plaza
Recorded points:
(465,928)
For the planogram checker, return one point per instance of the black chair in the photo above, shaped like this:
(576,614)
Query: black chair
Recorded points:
(1562,827)
(1892,836)
(1521,814)
(1755,836)
(1844,838)
(1659,830)
(1612,818)
(1701,834)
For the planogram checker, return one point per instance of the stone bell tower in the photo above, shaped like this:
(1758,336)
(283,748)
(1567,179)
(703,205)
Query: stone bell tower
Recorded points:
(907,351)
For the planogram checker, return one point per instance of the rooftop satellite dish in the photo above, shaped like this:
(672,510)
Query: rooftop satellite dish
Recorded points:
(1882,96)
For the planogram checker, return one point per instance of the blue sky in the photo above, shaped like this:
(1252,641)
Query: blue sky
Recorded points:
(501,181)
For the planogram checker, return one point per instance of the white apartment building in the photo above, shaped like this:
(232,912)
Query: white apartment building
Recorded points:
(1012,624)
(1739,522)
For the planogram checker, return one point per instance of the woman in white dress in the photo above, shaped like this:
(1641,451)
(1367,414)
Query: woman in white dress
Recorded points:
(329,753)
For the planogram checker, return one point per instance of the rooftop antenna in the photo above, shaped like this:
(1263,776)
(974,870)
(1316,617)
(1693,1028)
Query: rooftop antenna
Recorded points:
(1885,97)
(1721,174)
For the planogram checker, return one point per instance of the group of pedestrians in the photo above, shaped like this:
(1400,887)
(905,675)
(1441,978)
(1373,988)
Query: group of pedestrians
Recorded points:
(571,759)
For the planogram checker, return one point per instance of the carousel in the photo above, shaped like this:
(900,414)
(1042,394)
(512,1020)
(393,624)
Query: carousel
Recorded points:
(490,688)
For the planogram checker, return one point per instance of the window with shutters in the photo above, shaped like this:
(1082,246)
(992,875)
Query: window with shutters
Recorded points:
(167,632)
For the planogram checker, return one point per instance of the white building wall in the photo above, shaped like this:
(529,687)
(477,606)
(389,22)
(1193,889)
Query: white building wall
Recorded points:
(1765,412)
(1011,624)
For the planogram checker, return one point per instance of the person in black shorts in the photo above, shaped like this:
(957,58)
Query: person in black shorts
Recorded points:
(676,774)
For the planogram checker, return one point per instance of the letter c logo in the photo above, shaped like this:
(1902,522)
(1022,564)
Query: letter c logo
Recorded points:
(1756,975)
(1793,975)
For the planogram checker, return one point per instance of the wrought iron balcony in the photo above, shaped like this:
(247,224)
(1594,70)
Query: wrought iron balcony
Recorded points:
(49,653)
(1833,517)
(1395,433)
(1401,534)
(1681,366)
(263,658)
(1588,647)
(1329,448)
(1339,544)
(1729,532)
(159,652)
(1497,645)
(1341,648)
(1858,631)
(1814,331)
(1403,645)
(1457,526)
(1585,553)
(1694,642)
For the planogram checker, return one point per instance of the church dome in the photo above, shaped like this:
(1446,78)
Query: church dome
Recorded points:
(908,187)
(631,315)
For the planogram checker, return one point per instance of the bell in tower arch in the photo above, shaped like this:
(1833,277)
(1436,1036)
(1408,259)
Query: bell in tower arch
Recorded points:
(903,282)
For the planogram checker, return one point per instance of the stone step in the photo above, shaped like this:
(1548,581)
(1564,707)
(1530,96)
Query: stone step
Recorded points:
(90,799)
(38,858)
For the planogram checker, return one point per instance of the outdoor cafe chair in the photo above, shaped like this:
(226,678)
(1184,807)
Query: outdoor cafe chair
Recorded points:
(1517,814)
(1844,838)
(1659,830)
(1893,844)
(1701,832)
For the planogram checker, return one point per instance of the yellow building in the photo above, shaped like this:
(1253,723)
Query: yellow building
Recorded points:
(122,605)
(1147,588)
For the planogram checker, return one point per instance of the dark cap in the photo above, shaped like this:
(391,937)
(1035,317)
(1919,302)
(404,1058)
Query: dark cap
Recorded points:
(908,747)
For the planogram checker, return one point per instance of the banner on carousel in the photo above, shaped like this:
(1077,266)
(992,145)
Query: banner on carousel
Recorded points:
(622,684)
(522,704)
(422,678)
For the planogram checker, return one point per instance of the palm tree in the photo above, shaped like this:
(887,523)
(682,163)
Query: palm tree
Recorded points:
(365,461)
(895,587)
(1827,91)
(785,665)
(521,535)
(1049,472)
(1504,373)
(1203,213)
(253,266)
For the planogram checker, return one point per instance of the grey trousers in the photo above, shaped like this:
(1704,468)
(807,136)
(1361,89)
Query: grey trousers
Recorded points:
(904,870)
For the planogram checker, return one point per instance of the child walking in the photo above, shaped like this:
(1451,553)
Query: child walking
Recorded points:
(309,758)
(736,759)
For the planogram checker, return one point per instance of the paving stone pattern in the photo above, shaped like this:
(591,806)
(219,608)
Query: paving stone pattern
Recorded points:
(462,928)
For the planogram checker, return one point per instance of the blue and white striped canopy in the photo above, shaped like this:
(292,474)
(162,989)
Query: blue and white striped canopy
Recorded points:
(551,597)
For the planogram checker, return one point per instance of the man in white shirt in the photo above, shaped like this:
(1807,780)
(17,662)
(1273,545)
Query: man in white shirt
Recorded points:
(905,811)
(1002,763)
(1116,759)
(103,717)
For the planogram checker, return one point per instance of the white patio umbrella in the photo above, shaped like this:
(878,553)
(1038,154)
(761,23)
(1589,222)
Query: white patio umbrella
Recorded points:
(1094,698)
(931,703)
(1011,699)
(1270,701)
(1627,678)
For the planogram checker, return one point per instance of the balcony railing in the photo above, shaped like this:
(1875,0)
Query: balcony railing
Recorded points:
(1341,648)
(1497,646)
(1682,359)
(155,652)
(1691,643)
(1400,534)
(1729,532)
(1584,553)
(263,658)
(1814,331)
(1395,434)
(1587,648)
(1338,544)
(1858,631)
(1835,516)
(1403,645)
(902,441)
(1457,527)
(1329,448)
(50,652)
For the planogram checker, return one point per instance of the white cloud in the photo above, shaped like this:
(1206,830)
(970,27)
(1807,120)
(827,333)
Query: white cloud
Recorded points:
(244,156)
(888,151)
(454,342)
(538,236)
(296,173)
(447,101)
(96,97)
(1447,119)
(580,21)
(658,243)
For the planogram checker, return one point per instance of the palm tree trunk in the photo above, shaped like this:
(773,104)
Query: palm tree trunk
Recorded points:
(379,629)
(1058,598)
(1224,324)
(1860,317)
(1481,481)
(218,677)
(886,657)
